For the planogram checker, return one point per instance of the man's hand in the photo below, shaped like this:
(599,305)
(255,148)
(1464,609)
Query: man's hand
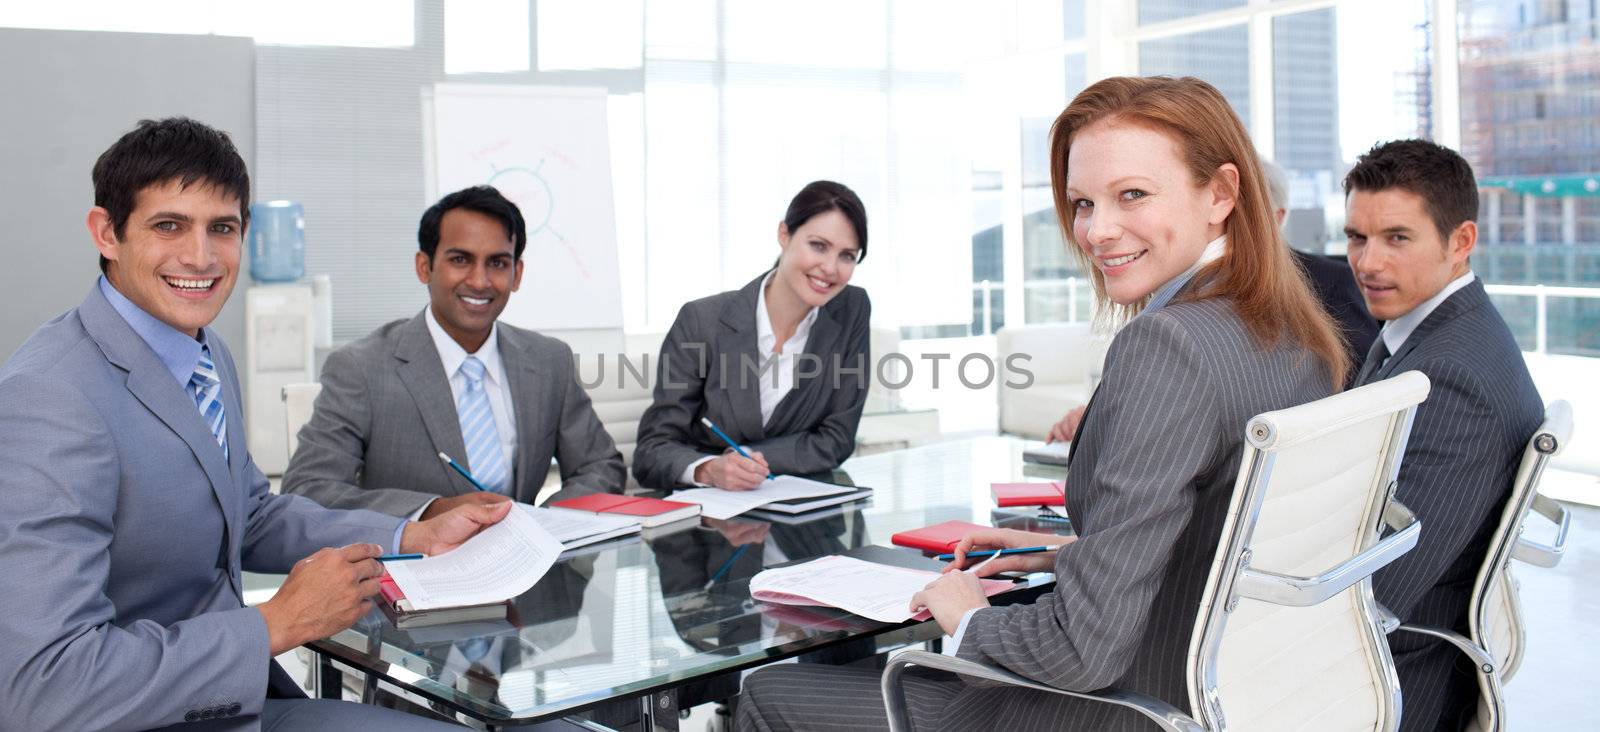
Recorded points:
(441,506)
(1008,539)
(949,598)
(452,528)
(1067,429)
(324,594)
(732,471)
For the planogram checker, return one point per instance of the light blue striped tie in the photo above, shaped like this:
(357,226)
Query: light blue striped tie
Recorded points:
(207,390)
(488,461)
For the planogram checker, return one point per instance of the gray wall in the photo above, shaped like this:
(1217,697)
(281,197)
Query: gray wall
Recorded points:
(67,96)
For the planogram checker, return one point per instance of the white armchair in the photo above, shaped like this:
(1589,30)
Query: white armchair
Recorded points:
(1494,617)
(1287,634)
(1062,358)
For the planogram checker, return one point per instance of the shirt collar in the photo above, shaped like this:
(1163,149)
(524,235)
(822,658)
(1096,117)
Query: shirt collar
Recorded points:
(765,337)
(452,354)
(177,351)
(1164,294)
(1395,332)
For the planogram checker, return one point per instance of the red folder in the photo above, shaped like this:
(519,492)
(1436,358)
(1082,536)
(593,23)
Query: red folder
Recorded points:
(938,538)
(649,511)
(1029,494)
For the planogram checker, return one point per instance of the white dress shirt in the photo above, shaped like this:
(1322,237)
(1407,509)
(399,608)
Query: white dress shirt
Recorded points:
(1397,331)
(774,384)
(495,385)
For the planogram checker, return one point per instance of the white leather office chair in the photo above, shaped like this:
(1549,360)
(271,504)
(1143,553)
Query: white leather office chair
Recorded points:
(298,403)
(1496,637)
(1061,357)
(1287,635)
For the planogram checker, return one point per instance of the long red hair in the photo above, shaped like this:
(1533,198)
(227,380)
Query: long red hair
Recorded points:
(1267,289)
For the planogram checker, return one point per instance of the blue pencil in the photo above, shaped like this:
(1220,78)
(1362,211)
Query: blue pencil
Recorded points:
(725,565)
(399,557)
(463,471)
(729,440)
(1003,552)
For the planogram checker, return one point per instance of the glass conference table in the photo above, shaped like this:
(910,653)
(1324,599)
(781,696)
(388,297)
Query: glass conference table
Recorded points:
(625,632)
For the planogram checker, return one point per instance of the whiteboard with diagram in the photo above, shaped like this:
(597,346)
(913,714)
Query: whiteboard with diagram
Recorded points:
(546,149)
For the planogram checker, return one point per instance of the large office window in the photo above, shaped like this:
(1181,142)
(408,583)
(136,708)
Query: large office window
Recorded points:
(778,95)
(1220,56)
(1530,108)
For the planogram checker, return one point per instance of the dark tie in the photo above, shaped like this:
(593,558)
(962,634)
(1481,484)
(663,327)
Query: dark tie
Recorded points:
(1375,358)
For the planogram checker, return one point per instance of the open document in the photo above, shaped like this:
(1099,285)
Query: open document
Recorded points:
(501,562)
(876,591)
(720,504)
(579,528)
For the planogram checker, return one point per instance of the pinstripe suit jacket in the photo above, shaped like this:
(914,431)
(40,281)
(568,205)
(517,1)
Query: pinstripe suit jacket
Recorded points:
(708,369)
(1464,450)
(1155,467)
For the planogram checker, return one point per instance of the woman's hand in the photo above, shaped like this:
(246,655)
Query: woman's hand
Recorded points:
(1008,539)
(731,471)
(1067,428)
(949,598)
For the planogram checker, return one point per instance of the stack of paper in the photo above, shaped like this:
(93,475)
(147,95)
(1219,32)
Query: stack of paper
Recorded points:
(501,562)
(875,591)
(785,492)
(579,528)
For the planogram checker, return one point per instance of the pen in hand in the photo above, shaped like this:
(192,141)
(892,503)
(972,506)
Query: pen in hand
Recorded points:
(992,553)
(463,471)
(725,438)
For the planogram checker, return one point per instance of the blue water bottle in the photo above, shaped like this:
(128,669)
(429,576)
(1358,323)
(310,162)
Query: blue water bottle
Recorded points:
(277,241)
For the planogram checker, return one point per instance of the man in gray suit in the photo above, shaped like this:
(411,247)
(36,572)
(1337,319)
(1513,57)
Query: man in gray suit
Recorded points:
(1410,206)
(498,399)
(132,504)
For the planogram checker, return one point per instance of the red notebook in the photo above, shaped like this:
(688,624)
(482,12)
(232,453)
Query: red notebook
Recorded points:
(1029,494)
(399,610)
(938,538)
(649,511)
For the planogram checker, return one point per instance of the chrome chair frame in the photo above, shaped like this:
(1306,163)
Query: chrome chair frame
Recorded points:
(1507,544)
(1238,580)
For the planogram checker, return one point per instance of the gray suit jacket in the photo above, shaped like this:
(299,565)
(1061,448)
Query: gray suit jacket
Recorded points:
(1465,446)
(124,533)
(386,412)
(708,368)
(1149,485)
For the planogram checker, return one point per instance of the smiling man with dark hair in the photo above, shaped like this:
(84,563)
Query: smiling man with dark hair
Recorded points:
(1410,207)
(132,503)
(502,400)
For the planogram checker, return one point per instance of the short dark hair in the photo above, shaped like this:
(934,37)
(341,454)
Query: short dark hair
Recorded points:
(482,199)
(160,151)
(1435,173)
(822,196)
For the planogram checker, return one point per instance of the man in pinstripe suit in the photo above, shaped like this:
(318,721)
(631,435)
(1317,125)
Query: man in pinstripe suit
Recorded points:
(1410,206)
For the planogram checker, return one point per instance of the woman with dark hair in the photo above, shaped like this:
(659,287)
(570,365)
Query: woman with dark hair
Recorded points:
(780,365)
(1158,190)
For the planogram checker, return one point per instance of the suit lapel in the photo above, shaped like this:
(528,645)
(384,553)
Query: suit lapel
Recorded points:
(422,372)
(822,343)
(735,348)
(1463,300)
(152,384)
(522,378)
